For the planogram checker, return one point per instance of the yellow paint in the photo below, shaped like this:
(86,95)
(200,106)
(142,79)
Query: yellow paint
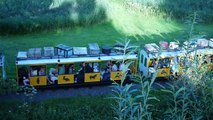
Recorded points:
(180,70)
(66,79)
(38,81)
(91,77)
(117,75)
(164,72)
(133,68)
(149,62)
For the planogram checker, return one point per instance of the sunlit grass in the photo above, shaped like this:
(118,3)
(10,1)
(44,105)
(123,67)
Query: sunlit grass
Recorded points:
(133,20)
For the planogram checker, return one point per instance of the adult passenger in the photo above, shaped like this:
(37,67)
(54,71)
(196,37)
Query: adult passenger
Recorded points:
(53,75)
(80,74)
(114,67)
(26,81)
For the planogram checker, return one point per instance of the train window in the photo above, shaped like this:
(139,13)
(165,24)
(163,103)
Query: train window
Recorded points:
(92,67)
(212,59)
(37,71)
(115,66)
(153,62)
(65,69)
(142,56)
(145,61)
(164,63)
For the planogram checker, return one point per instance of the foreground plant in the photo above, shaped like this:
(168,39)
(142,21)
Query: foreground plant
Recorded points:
(131,101)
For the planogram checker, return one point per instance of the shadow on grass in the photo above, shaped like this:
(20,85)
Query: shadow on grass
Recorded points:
(26,16)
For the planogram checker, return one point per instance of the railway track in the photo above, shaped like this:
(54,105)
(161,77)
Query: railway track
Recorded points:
(45,94)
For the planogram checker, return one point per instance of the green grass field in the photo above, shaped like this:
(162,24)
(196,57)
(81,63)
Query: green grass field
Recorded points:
(104,33)
(122,21)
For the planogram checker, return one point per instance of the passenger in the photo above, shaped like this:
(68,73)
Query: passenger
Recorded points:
(71,69)
(108,64)
(106,74)
(26,81)
(53,75)
(80,74)
(88,68)
(153,63)
(41,71)
(96,67)
(114,67)
(123,65)
(33,72)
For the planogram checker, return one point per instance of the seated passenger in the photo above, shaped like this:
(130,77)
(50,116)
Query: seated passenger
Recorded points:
(71,69)
(26,81)
(33,72)
(41,71)
(80,74)
(114,67)
(122,66)
(53,75)
(96,67)
(106,74)
(88,68)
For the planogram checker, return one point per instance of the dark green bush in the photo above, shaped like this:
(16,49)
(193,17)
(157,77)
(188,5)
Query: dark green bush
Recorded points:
(7,86)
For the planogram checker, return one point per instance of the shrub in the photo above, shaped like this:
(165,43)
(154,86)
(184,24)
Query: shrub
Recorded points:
(7,86)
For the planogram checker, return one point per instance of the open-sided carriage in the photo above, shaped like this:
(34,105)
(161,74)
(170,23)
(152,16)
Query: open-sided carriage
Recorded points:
(167,60)
(70,66)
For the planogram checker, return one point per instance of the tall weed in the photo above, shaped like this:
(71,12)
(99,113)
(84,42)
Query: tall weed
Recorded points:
(191,95)
(132,102)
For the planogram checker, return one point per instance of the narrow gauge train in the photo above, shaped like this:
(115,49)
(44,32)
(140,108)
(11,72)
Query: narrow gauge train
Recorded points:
(64,65)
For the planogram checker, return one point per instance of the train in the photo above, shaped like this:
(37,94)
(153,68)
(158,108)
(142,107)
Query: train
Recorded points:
(63,65)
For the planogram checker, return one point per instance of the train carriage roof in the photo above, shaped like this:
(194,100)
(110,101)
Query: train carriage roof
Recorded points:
(204,51)
(73,60)
(166,54)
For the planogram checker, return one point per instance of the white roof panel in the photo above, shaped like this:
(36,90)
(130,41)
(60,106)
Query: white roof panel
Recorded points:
(166,54)
(73,60)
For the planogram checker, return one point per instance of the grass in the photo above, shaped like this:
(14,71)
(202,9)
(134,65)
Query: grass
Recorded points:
(72,108)
(78,108)
(130,20)
(104,33)
(122,21)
